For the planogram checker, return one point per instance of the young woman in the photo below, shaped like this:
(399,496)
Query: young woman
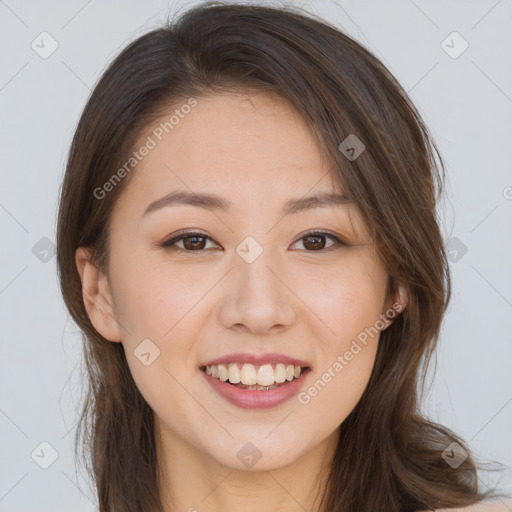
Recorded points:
(247,238)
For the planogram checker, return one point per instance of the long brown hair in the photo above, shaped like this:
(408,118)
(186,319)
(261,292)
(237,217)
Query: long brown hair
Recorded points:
(389,456)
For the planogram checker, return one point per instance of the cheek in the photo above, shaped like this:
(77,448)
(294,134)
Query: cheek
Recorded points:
(346,299)
(164,309)
(333,394)
(340,377)
(155,300)
(349,302)
(163,304)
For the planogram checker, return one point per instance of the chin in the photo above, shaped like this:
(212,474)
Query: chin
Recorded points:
(257,453)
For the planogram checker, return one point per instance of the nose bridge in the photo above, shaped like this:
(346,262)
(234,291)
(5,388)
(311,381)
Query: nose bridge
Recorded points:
(257,299)
(254,261)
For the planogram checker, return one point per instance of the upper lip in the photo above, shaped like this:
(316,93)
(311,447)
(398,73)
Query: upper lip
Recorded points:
(256,359)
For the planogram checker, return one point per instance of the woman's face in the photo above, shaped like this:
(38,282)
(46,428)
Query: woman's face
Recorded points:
(254,286)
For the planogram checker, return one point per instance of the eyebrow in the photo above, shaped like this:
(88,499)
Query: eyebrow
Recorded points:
(215,202)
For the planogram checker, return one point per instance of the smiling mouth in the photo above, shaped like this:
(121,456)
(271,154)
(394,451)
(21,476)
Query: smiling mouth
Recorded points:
(255,378)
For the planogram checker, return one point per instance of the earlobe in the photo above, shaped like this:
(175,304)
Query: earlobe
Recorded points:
(97,296)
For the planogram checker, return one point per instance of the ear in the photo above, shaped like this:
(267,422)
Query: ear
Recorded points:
(396,302)
(97,296)
(401,298)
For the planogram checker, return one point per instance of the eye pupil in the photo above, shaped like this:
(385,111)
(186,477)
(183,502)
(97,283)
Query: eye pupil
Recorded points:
(194,245)
(314,237)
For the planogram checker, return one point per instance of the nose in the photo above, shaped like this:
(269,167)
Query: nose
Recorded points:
(259,299)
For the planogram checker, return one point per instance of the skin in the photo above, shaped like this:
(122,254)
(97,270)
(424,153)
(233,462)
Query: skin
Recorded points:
(295,298)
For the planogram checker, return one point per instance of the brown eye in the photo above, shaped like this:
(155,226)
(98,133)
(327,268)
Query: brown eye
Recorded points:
(191,242)
(196,242)
(316,241)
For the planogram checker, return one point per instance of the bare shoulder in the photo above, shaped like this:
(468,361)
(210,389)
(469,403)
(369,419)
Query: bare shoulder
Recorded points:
(494,506)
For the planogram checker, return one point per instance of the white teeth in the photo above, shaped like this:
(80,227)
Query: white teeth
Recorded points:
(250,375)
(266,375)
(234,373)
(280,373)
(223,372)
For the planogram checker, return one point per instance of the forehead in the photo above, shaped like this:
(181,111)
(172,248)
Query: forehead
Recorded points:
(238,144)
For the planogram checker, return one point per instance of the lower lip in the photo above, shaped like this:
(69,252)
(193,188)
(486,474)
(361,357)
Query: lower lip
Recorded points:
(256,399)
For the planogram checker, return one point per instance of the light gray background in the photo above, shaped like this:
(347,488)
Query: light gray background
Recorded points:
(466,102)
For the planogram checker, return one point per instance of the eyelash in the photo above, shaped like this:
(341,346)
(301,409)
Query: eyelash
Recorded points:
(169,244)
